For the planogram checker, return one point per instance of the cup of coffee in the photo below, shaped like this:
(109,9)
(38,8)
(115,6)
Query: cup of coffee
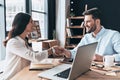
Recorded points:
(108,60)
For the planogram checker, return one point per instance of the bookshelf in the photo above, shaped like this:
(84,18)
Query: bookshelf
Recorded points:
(74,31)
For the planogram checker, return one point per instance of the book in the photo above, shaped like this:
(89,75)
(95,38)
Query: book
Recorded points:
(44,64)
(68,32)
(68,23)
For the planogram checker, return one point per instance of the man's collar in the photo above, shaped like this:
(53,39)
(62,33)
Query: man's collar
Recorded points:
(100,32)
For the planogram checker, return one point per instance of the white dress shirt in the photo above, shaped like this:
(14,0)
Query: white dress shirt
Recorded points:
(18,56)
(108,43)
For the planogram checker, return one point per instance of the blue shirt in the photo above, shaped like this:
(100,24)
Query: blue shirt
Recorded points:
(108,43)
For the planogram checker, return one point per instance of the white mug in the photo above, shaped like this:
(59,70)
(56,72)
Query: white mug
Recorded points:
(37,46)
(108,60)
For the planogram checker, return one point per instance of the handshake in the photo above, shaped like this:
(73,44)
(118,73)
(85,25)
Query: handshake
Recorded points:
(57,51)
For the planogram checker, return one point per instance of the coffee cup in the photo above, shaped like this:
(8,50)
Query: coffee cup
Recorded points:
(108,60)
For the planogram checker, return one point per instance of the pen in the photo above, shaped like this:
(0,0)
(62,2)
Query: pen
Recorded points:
(116,71)
(1,72)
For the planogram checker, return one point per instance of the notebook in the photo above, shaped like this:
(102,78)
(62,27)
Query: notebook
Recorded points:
(44,64)
(80,65)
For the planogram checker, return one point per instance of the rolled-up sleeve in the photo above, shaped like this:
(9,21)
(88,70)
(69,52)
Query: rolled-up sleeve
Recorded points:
(74,51)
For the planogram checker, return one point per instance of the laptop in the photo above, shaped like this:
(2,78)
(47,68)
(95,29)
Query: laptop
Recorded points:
(80,65)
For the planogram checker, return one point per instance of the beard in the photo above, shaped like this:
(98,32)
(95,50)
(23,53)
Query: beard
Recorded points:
(91,29)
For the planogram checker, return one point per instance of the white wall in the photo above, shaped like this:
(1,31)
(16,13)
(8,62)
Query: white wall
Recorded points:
(2,30)
(60,20)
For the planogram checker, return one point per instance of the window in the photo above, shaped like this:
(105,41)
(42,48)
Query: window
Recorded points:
(39,12)
(12,8)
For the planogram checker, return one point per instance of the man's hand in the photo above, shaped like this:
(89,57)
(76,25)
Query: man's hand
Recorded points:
(98,58)
(61,51)
(58,50)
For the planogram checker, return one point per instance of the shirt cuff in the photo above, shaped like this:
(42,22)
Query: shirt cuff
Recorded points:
(117,57)
(73,53)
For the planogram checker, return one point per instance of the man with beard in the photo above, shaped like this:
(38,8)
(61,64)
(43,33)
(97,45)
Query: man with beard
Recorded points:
(108,40)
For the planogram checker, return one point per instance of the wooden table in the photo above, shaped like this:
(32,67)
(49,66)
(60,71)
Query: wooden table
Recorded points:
(94,74)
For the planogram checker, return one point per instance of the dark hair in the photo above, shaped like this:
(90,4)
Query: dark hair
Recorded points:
(18,26)
(95,12)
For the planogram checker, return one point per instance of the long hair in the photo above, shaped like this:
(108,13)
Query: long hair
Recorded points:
(18,26)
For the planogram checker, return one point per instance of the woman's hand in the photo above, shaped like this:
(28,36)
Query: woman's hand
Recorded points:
(60,51)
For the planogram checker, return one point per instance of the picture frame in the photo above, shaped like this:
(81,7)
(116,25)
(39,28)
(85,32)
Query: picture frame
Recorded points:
(36,33)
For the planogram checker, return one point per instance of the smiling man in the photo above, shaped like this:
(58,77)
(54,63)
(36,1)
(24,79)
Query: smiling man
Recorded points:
(108,40)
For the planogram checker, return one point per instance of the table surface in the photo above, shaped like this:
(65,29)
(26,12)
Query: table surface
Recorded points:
(94,74)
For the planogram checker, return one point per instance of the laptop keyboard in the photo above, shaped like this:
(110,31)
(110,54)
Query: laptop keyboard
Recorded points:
(64,74)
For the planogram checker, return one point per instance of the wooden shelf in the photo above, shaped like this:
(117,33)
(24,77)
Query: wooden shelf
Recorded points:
(76,17)
(75,27)
(74,36)
(74,31)
(49,43)
(70,46)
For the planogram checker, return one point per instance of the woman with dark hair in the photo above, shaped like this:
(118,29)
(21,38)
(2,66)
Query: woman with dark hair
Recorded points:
(18,53)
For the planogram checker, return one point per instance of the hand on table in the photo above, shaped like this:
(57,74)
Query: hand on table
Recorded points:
(98,58)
